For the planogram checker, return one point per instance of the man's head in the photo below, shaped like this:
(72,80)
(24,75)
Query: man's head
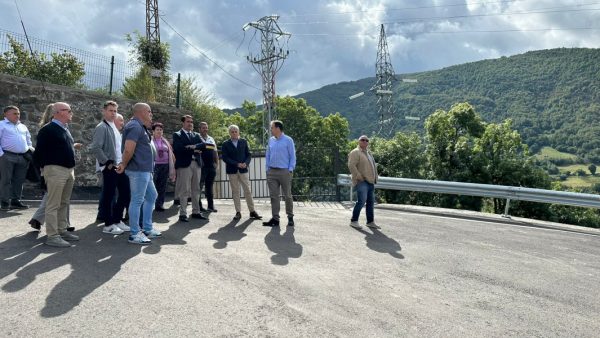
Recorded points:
(363,142)
(143,113)
(109,110)
(187,123)
(12,113)
(234,132)
(203,129)
(276,128)
(62,112)
(119,122)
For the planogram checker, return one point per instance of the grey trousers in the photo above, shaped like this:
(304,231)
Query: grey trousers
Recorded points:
(280,180)
(13,169)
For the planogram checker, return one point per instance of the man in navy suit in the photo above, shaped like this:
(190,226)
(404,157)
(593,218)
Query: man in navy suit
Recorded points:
(236,156)
(187,146)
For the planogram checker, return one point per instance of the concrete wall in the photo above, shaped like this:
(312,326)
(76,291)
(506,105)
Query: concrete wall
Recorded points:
(32,97)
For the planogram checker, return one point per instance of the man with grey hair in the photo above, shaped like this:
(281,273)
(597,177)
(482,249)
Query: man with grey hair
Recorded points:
(15,155)
(138,164)
(236,156)
(55,154)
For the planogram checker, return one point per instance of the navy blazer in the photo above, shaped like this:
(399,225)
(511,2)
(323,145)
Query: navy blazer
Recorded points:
(232,156)
(183,155)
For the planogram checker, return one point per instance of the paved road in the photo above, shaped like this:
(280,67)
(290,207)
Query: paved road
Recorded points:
(426,273)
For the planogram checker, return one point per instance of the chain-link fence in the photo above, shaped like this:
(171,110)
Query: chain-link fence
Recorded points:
(102,73)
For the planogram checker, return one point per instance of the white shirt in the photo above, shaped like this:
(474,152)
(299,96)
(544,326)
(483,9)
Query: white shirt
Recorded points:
(118,153)
(208,140)
(14,137)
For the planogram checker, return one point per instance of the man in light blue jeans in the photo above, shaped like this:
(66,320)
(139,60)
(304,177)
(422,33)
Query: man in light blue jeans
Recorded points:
(363,168)
(138,164)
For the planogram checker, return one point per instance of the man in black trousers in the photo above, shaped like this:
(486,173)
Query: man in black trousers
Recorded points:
(210,162)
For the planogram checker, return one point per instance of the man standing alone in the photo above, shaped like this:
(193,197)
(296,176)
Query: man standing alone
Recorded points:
(106,146)
(15,155)
(55,154)
(138,164)
(281,162)
(364,176)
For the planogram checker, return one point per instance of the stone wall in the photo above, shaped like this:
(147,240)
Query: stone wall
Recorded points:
(32,97)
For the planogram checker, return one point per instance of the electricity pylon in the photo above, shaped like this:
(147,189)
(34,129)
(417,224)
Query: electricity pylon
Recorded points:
(267,63)
(152,20)
(386,109)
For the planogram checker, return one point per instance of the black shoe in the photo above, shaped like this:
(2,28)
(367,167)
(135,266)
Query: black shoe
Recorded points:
(4,206)
(211,210)
(176,202)
(199,216)
(271,223)
(70,229)
(254,215)
(203,210)
(159,209)
(290,221)
(237,216)
(183,218)
(16,204)
(35,224)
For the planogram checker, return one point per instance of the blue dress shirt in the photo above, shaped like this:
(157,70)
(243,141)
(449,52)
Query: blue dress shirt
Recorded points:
(14,137)
(281,153)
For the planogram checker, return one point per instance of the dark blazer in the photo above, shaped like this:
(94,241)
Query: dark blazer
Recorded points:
(54,147)
(232,156)
(184,156)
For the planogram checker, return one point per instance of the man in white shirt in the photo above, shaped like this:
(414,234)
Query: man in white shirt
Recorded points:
(106,146)
(15,155)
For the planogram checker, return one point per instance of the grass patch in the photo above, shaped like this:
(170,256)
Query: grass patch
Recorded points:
(549,153)
(580,181)
(574,167)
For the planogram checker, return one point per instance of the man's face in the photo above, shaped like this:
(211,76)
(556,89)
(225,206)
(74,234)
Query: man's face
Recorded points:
(13,115)
(275,131)
(188,124)
(234,134)
(119,122)
(204,129)
(363,142)
(146,116)
(63,113)
(110,112)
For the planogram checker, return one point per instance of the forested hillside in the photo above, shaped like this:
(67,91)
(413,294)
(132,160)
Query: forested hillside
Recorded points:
(552,96)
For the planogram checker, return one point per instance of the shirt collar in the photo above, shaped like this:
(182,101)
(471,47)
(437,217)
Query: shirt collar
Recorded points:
(60,123)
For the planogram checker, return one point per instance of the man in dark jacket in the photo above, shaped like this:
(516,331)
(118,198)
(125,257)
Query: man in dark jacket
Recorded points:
(187,146)
(236,156)
(55,154)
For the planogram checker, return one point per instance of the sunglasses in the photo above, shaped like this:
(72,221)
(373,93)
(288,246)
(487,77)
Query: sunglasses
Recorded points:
(364,140)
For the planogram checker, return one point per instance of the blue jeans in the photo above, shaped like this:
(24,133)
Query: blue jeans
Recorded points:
(143,195)
(365,191)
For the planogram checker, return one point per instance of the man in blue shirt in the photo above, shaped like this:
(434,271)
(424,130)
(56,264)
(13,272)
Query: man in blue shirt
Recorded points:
(281,161)
(138,164)
(15,154)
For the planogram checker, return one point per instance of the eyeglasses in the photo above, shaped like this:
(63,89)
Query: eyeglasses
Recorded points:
(364,140)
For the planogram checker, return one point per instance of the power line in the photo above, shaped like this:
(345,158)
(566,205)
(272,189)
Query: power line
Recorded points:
(206,56)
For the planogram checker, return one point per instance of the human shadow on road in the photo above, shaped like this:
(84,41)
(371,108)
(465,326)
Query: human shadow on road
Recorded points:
(378,241)
(283,246)
(229,233)
(174,235)
(93,261)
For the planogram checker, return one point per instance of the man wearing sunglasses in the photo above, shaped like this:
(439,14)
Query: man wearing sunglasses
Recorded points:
(364,176)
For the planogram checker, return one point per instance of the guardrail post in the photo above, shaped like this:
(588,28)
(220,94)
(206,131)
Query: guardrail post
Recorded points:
(506,215)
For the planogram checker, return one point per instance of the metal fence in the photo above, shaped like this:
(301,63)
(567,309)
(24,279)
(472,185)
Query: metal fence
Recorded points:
(99,69)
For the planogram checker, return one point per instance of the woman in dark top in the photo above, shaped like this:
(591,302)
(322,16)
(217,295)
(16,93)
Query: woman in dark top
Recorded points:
(164,164)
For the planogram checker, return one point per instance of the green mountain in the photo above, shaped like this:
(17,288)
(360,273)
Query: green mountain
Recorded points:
(553,97)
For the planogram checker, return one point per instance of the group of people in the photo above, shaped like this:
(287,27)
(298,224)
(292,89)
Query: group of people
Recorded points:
(136,162)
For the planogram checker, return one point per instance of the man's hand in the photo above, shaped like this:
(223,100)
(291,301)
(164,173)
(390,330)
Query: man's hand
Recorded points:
(78,146)
(120,168)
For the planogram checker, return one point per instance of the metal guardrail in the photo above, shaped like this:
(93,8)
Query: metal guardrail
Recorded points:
(483,190)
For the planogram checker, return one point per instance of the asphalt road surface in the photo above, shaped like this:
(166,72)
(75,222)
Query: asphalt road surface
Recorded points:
(426,273)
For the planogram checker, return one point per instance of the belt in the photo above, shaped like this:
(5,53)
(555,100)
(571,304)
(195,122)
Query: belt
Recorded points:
(18,154)
(277,168)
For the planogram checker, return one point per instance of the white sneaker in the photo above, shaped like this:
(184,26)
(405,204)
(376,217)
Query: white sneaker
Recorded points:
(139,238)
(112,229)
(122,226)
(372,225)
(355,225)
(152,233)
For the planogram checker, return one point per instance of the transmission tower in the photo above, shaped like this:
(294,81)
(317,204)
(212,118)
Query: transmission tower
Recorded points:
(267,63)
(385,77)
(152,19)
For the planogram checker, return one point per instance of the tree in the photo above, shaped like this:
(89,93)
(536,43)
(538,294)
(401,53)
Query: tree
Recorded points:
(592,169)
(63,69)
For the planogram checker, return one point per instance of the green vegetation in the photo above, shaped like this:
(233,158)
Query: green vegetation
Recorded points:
(62,69)
(551,154)
(579,182)
(552,97)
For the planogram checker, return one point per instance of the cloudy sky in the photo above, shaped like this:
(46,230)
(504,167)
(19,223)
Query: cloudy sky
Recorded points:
(331,41)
